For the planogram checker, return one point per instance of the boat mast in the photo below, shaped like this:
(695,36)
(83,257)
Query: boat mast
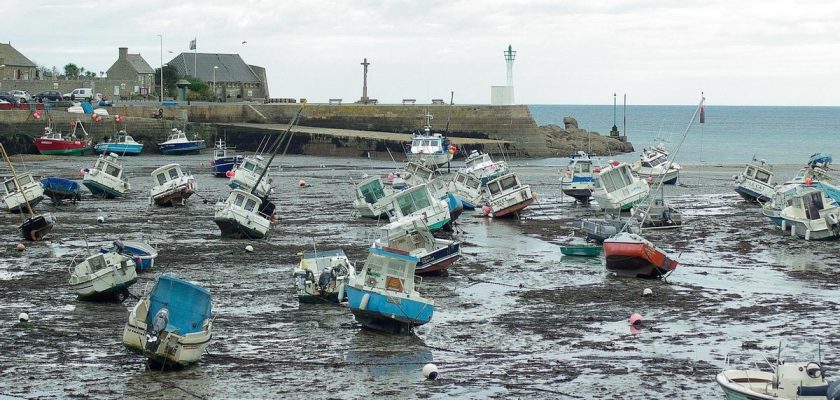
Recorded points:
(17,182)
(274,153)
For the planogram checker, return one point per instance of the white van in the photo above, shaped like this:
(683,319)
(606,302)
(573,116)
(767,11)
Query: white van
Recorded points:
(80,94)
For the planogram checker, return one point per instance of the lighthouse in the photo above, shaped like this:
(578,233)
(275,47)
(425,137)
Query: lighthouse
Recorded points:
(503,95)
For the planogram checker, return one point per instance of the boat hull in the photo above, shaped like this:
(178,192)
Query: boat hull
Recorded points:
(191,147)
(232,229)
(100,190)
(176,352)
(439,260)
(62,147)
(512,210)
(636,259)
(58,189)
(220,166)
(21,207)
(119,148)
(387,313)
(37,227)
(803,231)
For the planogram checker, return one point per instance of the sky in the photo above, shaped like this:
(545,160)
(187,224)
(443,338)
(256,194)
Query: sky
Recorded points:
(743,52)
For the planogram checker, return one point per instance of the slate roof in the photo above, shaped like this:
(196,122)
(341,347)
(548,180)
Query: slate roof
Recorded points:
(13,57)
(231,67)
(139,64)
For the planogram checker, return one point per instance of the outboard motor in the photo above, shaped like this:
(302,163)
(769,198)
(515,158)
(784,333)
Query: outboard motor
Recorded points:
(153,333)
(325,279)
(118,244)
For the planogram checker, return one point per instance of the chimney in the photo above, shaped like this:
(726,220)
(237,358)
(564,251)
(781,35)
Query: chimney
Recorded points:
(123,53)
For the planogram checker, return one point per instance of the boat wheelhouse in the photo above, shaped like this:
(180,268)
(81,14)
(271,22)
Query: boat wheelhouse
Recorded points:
(15,199)
(653,165)
(247,175)
(756,182)
(616,188)
(418,200)
(122,144)
(430,148)
(506,196)
(170,186)
(410,236)
(106,179)
(243,216)
(468,189)
(576,180)
(373,198)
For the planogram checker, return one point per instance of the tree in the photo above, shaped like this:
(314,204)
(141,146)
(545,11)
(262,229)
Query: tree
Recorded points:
(71,71)
(170,76)
(199,90)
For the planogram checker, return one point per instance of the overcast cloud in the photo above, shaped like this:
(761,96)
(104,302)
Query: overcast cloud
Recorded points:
(569,52)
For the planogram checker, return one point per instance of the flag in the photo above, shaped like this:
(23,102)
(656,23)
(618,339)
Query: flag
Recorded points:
(192,44)
(702,115)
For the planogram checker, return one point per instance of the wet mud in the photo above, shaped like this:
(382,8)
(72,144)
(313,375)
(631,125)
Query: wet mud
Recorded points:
(513,317)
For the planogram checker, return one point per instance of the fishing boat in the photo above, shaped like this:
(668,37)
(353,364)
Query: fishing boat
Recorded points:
(102,276)
(143,254)
(600,229)
(581,251)
(247,176)
(60,189)
(755,184)
(468,189)
(481,166)
(654,167)
(410,236)
(172,325)
(177,143)
(430,148)
(811,215)
(321,276)
(416,174)
(820,160)
(576,180)
(171,187)
(418,200)
(106,179)
(22,191)
(616,188)
(783,381)
(36,226)
(384,297)
(507,196)
(628,254)
(54,143)
(659,214)
(373,198)
(122,144)
(243,216)
(222,162)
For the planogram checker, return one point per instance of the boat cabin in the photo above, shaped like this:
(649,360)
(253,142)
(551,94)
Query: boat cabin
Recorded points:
(253,164)
(758,173)
(467,181)
(477,160)
(99,262)
(11,186)
(177,134)
(613,178)
(371,190)
(249,203)
(579,167)
(389,270)
(653,159)
(406,236)
(51,134)
(167,173)
(220,150)
(109,165)
(417,174)
(123,137)
(413,200)
(423,144)
(810,201)
(503,184)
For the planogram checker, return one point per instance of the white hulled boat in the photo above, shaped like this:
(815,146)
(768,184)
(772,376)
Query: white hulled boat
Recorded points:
(103,276)
(783,381)
(418,200)
(321,276)
(106,178)
(653,166)
(430,148)
(616,188)
(506,195)
(171,186)
(756,182)
(576,180)
(811,215)
(247,175)
(373,198)
(15,199)
(243,216)
(469,189)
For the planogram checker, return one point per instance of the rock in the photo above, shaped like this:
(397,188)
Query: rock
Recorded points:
(565,141)
(570,123)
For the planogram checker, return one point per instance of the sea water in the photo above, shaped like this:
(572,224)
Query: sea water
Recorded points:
(730,134)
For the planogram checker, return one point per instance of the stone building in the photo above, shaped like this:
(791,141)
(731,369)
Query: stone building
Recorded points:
(15,66)
(234,79)
(132,69)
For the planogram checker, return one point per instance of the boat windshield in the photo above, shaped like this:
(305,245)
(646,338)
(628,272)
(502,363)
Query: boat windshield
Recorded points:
(10,186)
(25,179)
(509,182)
(112,170)
(749,172)
(414,200)
(174,173)
(161,178)
(762,176)
(96,263)
(253,167)
(372,191)
(583,167)
(494,187)
(250,205)
(398,273)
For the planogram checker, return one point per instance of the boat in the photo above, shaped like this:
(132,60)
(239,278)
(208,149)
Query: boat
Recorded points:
(430,148)
(172,325)
(581,251)
(383,295)
(102,276)
(811,215)
(248,176)
(418,200)
(17,200)
(171,187)
(36,226)
(122,144)
(659,214)
(481,166)
(54,143)
(468,189)
(507,196)
(59,189)
(600,229)
(410,236)
(321,276)
(820,160)
(654,167)
(628,254)
(373,198)
(222,162)
(576,180)
(178,144)
(616,188)
(783,381)
(416,174)
(755,184)
(243,216)
(143,254)
(106,179)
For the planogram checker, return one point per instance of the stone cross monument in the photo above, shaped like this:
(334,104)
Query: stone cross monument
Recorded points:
(365,98)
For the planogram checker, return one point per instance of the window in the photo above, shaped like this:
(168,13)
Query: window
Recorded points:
(494,187)
(762,176)
(10,186)
(25,180)
(585,167)
(112,170)
(609,181)
(427,143)
(372,191)
(626,177)
(97,263)
(161,179)
(249,166)
(750,172)
(173,173)
(250,204)
(646,164)
(509,182)
(239,200)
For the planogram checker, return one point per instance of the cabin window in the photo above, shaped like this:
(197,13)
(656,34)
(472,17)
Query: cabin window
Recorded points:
(460,178)
(646,164)
(494,187)
(10,186)
(427,143)
(239,200)
(813,205)
(473,183)
(112,170)
(173,173)
(416,142)
(372,192)
(250,204)
(607,181)
(249,166)
(394,283)
(750,172)
(161,179)
(626,177)
(657,162)
(97,263)
(413,201)
(509,182)
(762,176)
(585,167)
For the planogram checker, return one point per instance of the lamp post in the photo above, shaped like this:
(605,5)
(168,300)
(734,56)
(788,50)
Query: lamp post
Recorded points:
(161,67)
(215,67)
(2,72)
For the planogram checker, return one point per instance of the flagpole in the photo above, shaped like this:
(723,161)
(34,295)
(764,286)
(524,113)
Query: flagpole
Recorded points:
(195,57)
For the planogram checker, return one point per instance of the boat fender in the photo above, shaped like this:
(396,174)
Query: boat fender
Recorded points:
(807,234)
(364,303)
(341,293)
(784,225)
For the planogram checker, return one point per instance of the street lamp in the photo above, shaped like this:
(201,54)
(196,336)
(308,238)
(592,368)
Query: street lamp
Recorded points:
(215,67)
(161,67)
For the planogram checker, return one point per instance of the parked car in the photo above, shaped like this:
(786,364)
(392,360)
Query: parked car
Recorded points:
(48,95)
(80,94)
(22,95)
(9,98)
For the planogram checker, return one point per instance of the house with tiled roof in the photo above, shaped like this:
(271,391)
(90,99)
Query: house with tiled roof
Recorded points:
(132,68)
(234,79)
(15,66)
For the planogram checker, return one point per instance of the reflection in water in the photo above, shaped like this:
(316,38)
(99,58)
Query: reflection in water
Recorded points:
(388,356)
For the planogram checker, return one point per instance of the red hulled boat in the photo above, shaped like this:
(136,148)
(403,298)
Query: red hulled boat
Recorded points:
(53,143)
(628,254)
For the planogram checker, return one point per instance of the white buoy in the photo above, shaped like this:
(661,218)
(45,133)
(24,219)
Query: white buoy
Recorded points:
(647,292)
(23,317)
(430,371)
(249,248)
(20,247)
(100,219)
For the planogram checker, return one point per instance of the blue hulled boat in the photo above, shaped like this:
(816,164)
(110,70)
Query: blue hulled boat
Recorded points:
(222,162)
(382,296)
(142,253)
(58,189)
(177,143)
(122,144)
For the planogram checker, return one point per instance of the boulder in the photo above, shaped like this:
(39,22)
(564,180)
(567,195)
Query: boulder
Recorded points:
(570,123)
